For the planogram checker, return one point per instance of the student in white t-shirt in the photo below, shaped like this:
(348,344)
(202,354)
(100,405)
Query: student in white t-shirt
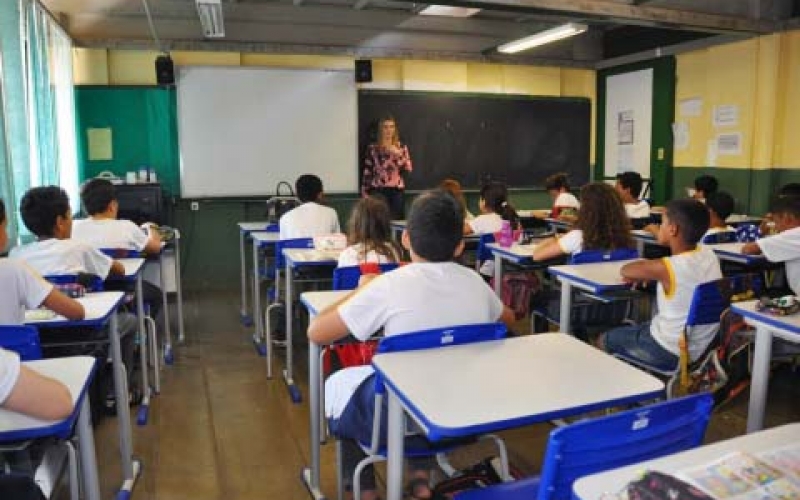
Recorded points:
(629,187)
(785,245)
(720,206)
(26,391)
(602,225)
(431,292)
(656,343)
(46,213)
(564,202)
(103,230)
(495,208)
(311,218)
(369,235)
(704,186)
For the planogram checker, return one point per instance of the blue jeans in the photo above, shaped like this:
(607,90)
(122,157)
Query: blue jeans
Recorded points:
(635,342)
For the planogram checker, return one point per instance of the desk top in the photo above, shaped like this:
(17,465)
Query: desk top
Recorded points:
(247,227)
(317,301)
(733,252)
(399,225)
(595,278)
(262,238)
(789,323)
(310,256)
(641,234)
(98,306)
(74,372)
(515,253)
(132,267)
(476,388)
(594,487)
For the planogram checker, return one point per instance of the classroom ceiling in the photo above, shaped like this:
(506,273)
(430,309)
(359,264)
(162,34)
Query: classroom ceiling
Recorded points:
(619,30)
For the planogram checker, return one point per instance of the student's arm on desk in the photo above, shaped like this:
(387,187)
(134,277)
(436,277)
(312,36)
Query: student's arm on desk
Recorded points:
(117,269)
(328,326)
(39,396)
(63,305)
(652,229)
(643,271)
(751,248)
(153,245)
(548,249)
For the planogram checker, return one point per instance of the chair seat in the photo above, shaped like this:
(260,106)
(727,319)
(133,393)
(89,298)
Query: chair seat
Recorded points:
(524,489)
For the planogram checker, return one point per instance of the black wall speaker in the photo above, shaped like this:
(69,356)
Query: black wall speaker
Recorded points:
(363,70)
(165,71)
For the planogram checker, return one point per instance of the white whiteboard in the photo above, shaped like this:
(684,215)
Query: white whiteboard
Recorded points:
(243,130)
(629,123)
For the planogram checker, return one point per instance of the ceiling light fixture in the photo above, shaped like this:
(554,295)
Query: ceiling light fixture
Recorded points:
(542,38)
(447,10)
(210,12)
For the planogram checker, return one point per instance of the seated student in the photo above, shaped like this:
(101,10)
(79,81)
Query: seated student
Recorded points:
(46,213)
(453,187)
(629,187)
(369,235)
(656,343)
(785,245)
(26,391)
(720,207)
(564,202)
(495,208)
(704,185)
(311,218)
(602,225)
(431,292)
(767,226)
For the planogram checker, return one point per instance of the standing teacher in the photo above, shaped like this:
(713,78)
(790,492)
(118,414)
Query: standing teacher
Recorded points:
(384,165)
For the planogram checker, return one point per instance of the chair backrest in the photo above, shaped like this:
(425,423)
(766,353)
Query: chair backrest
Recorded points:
(720,237)
(291,243)
(621,439)
(592,256)
(91,282)
(441,337)
(121,253)
(346,278)
(712,298)
(483,252)
(24,340)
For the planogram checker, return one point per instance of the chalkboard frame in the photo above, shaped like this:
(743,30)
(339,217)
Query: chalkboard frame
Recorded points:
(580,172)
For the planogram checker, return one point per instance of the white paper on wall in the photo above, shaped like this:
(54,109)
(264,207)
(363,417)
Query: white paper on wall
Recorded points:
(729,144)
(680,135)
(691,107)
(726,115)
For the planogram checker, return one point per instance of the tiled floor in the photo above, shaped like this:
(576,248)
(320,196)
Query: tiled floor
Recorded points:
(221,430)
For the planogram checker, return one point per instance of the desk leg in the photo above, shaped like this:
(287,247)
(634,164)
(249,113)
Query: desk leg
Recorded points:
(268,348)
(565,314)
(258,335)
(129,473)
(310,475)
(243,314)
(640,247)
(88,458)
(498,275)
(168,355)
(395,444)
(760,381)
(288,373)
(179,290)
(144,408)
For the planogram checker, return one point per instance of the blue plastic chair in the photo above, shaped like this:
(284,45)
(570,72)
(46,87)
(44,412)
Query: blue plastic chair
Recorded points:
(426,339)
(720,237)
(483,253)
(24,340)
(596,445)
(346,278)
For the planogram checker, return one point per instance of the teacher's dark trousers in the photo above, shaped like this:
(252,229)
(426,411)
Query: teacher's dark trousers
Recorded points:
(394,198)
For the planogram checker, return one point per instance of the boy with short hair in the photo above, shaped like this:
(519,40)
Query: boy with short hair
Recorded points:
(629,187)
(311,218)
(720,207)
(431,292)
(785,245)
(704,185)
(656,343)
(46,213)
(103,230)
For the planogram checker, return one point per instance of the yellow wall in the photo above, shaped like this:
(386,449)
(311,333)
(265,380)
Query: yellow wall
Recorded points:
(762,77)
(136,67)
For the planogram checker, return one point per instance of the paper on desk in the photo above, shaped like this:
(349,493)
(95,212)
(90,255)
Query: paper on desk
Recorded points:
(100,145)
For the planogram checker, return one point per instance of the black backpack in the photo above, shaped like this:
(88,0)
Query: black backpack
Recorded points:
(281,203)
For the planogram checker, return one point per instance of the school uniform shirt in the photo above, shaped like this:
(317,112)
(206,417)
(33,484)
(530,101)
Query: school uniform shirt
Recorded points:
(419,296)
(686,271)
(715,230)
(54,257)
(308,220)
(785,247)
(572,242)
(637,210)
(23,289)
(354,256)
(486,223)
(9,373)
(566,200)
(110,233)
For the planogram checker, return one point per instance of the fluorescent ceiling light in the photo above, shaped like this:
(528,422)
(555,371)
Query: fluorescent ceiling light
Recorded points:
(543,37)
(210,12)
(446,10)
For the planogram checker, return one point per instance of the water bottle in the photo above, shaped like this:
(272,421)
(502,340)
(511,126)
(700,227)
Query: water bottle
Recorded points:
(505,234)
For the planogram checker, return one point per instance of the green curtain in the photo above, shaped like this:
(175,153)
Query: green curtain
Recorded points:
(6,180)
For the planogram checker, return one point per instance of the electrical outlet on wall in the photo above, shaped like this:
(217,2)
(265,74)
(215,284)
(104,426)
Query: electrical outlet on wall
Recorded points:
(194,206)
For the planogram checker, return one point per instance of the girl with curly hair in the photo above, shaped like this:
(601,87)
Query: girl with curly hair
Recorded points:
(602,225)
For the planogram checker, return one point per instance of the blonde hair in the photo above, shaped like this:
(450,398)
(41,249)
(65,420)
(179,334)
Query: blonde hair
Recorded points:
(396,137)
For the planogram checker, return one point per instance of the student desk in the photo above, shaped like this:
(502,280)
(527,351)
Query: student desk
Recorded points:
(732,252)
(316,302)
(471,389)
(558,225)
(767,326)
(608,483)
(245,228)
(600,278)
(100,309)
(516,254)
(261,240)
(399,225)
(173,246)
(75,373)
(643,238)
(295,259)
